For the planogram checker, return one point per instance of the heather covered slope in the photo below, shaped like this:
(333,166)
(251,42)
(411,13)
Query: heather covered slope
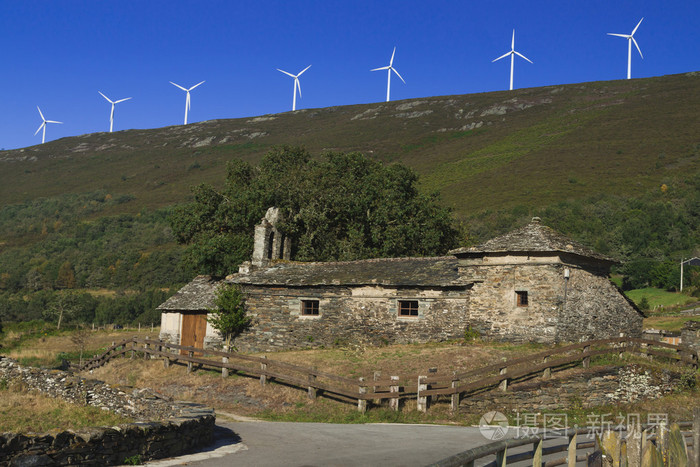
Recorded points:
(481,151)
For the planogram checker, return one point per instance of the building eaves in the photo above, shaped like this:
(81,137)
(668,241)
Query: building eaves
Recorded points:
(197,295)
(399,272)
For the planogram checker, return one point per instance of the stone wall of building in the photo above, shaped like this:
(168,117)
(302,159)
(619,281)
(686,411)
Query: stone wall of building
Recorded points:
(350,314)
(595,309)
(586,305)
(163,428)
(494,310)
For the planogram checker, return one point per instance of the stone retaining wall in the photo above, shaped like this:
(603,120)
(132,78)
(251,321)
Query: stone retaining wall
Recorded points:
(608,385)
(163,428)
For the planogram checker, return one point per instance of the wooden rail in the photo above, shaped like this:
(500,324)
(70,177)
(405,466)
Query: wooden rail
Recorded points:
(500,449)
(396,388)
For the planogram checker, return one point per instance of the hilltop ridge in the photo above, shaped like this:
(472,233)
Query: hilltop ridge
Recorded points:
(481,151)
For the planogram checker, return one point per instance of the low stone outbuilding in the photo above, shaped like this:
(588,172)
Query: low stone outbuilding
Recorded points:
(529,285)
(183,318)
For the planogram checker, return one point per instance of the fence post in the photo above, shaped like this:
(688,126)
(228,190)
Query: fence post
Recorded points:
(362,403)
(312,390)
(586,360)
(263,369)
(502,457)
(633,443)
(146,355)
(377,375)
(394,388)
(224,360)
(547,371)
(662,439)
(643,349)
(189,364)
(503,386)
(571,451)
(456,396)
(133,344)
(537,453)
(696,436)
(422,404)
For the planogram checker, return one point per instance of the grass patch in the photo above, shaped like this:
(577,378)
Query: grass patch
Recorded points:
(658,298)
(667,323)
(24,412)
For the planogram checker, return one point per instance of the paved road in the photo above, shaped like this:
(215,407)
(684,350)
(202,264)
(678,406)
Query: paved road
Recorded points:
(322,444)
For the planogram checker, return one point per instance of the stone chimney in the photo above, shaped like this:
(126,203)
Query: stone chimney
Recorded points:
(269,244)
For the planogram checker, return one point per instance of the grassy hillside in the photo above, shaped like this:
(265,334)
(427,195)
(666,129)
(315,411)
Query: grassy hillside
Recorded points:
(481,151)
(612,164)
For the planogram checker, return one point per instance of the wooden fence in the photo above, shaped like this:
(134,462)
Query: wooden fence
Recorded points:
(578,449)
(395,389)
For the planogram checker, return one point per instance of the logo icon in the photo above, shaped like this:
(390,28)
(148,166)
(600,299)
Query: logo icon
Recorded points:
(493,425)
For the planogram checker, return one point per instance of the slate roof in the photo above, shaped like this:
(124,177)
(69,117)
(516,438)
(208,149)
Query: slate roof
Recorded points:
(532,238)
(198,295)
(417,272)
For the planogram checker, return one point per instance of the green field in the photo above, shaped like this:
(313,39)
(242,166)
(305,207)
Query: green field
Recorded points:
(659,298)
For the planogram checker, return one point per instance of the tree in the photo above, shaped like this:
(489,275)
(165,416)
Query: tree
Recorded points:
(229,315)
(64,305)
(336,207)
(80,338)
(66,277)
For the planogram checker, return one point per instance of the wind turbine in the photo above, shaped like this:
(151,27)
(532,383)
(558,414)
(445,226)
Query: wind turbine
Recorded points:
(111,114)
(187,100)
(630,39)
(43,125)
(297,85)
(512,54)
(389,69)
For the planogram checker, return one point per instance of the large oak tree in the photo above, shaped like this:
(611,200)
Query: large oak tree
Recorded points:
(335,207)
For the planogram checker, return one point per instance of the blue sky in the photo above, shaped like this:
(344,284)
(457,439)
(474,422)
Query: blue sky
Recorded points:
(59,54)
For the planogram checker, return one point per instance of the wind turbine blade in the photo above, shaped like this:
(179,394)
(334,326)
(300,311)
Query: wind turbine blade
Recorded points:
(502,56)
(522,56)
(52,121)
(397,74)
(286,73)
(512,42)
(379,69)
(195,86)
(122,100)
(178,86)
(302,71)
(637,45)
(42,115)
(105,97)
(298,83)
(626,36)
(40,127)
(391,62)
(635,28)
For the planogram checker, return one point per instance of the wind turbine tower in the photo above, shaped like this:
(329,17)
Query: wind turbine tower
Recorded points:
(297,85)
(389,69)
(43,125)
(187,100)
(111,114)
(512,54)
(630,39)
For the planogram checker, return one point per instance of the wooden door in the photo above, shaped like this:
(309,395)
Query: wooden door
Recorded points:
(194,328)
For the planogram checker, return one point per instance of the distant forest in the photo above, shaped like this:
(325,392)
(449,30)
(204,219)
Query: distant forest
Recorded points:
(72,253)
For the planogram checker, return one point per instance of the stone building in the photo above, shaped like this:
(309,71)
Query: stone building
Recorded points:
(529,285)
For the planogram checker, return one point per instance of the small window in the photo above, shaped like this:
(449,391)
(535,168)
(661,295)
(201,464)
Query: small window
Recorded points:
(521,298)
(309,307)
(408,307)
